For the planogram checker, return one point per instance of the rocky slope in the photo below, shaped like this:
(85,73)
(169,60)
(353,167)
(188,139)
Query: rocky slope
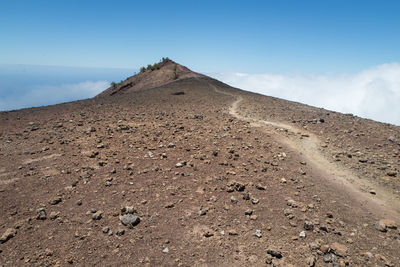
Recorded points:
(161,73)
(196,173)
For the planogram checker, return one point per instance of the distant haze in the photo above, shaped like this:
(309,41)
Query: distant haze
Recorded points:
(23,86)
(373,93)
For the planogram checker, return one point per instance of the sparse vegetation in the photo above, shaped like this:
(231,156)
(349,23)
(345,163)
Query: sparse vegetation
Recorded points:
(155,66)
(113,84)
(176,76)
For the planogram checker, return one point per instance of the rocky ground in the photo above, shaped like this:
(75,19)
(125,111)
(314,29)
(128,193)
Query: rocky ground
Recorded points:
(171,176)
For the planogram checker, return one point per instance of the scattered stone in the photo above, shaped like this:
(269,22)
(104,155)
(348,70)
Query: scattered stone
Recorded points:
(339,249)
(54,215)
(233,185)
(128,210)
(248,212)
(202,212)
(261,187)
(254,200)
(106,229)
(7,235)
(55,201)
(257,233)
(97,215)
(181,164)
(79,202)
(292,203)
(91,129)
(169,205)
(253,217)
(171,145)
(232,232)
(178,93)
(372,192)
(309,226)
(311,261)
(41,214)
(48,252)
(268,259)
(381,226)
(165,250)
(130,220)
(208,233)
(302,234)
(327,258)
(120,232)
(275,253)
(391,173)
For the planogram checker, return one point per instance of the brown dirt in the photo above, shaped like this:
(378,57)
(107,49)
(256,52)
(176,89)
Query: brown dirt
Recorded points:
(197,210)
(169,71)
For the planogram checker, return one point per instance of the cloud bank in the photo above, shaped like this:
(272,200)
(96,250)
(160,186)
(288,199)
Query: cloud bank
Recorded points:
(373,93)
(39,95)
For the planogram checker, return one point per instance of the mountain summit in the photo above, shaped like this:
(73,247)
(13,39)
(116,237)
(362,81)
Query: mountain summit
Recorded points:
(161,73)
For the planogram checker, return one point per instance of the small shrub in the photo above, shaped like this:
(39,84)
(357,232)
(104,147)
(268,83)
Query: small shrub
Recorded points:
(176,76)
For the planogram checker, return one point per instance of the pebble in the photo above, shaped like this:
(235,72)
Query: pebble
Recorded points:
(257,233)
(7,235)
(339,249)
(120,232)
(311,261)
(130,220)
(381,226)
(128,210)
(169,205)
(309,226)
(274,253)
(41,214)
(54,215)
(97,215)
(261,187)
(55,201)
(302,234)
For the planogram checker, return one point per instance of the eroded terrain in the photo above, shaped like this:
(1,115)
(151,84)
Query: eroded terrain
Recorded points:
(193,183)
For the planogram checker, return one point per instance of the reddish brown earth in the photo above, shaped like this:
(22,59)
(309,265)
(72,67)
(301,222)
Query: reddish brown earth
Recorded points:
(217,176)
(169,71)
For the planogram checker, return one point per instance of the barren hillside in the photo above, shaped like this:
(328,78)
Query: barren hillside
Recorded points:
(192,172)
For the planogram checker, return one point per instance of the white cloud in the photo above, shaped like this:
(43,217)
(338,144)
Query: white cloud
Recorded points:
(373,93)
(53,94)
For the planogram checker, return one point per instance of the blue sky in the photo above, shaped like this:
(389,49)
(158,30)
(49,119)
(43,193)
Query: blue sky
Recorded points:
(331,39)
(242,36)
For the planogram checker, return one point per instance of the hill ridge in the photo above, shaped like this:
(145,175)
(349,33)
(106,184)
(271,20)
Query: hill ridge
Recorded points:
(155,75)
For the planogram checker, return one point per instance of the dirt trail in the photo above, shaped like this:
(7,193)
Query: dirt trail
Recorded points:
(383,203)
